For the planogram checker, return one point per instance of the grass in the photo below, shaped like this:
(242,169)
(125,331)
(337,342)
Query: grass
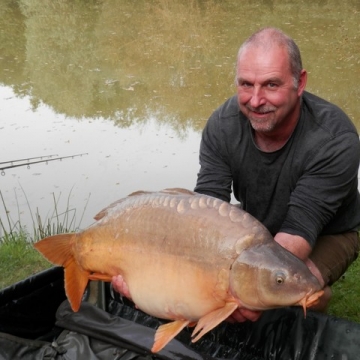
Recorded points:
(345,300)
(18,257)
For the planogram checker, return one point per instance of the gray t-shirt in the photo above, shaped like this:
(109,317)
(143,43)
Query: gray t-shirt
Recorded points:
(309,187)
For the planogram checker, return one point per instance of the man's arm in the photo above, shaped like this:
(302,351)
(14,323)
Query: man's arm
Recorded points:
(214,177)
(324,190)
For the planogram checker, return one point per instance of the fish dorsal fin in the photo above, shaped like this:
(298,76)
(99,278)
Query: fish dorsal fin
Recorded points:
(165,333)
(172,191)
(101,214)
(212,319)
(104,212)
(178,191)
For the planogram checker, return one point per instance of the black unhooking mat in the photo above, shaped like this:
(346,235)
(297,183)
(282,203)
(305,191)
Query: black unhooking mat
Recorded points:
(36,322)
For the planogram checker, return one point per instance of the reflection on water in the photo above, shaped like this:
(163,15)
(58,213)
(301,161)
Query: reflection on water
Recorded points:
(120,160)
(122,60)
(166,63)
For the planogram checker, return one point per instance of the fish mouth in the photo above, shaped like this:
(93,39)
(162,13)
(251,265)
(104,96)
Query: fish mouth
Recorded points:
(310,299)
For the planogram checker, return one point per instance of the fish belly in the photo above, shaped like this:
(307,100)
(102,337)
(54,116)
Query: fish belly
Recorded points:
(174,252)
(165,284)
(171,288)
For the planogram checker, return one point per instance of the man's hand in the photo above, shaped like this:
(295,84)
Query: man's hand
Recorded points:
(300,248)
(120,286)
(242,314)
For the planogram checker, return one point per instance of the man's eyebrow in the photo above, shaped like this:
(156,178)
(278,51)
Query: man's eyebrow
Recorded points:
(273,79)
(240,80)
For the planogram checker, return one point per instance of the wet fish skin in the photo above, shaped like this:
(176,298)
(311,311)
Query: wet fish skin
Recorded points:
(185,257)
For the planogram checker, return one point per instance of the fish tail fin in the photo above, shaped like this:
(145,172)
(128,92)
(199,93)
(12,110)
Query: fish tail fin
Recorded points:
(58,250)
(76,280)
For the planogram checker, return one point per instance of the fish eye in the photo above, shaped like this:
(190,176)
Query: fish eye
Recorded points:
(279,277)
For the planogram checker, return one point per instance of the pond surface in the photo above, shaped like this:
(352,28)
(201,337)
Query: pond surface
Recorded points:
(130,86)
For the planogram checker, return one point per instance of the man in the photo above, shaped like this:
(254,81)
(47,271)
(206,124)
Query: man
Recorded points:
(290,157)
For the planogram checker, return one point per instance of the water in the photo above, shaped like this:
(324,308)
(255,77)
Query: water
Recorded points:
(132,84)
(119,161)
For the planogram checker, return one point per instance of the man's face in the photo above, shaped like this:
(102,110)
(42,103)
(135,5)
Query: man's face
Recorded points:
(266,91)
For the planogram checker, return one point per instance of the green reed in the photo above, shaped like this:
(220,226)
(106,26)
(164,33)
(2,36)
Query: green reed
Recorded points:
(57,222)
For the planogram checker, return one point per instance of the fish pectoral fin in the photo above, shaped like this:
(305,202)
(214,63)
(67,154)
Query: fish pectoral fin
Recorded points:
(222,284)
(212,319)
(167,332)
(101,277)
(76,280)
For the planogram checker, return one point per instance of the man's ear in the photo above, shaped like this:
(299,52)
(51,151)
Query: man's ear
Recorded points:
(302,82)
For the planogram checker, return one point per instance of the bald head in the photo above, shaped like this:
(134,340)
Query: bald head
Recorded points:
(267,38)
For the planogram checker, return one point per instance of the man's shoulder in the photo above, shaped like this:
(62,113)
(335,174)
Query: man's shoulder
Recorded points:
(326,115)
(227,122)
(230,108)
(228,116)
(324,131)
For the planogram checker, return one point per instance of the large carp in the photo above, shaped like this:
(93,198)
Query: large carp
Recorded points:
(185,257)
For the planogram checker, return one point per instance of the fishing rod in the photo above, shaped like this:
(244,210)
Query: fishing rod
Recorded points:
(27,159)
(28,163)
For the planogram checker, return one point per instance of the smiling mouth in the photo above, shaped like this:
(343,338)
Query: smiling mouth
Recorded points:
(256,116)
(261,113)
(265,110)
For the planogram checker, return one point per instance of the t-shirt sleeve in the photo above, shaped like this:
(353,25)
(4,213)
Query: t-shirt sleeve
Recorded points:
(330,174)
(214,177)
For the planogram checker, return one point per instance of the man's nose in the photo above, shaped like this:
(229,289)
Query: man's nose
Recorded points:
(257,97)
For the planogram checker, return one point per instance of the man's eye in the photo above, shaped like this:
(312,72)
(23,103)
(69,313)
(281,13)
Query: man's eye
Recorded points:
(272,85)
(245,84)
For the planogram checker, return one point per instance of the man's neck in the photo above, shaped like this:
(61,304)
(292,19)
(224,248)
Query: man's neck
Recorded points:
(270,142)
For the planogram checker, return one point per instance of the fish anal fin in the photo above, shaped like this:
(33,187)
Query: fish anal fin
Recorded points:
(76,280)
(101,277)
(165,333)
(212,319)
